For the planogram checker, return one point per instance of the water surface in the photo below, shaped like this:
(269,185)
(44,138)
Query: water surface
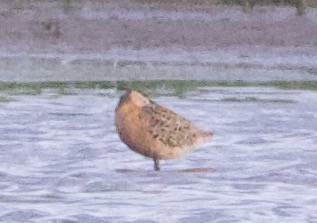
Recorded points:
(62,161)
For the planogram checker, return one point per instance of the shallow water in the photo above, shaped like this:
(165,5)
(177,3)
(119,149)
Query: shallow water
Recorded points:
(62,161)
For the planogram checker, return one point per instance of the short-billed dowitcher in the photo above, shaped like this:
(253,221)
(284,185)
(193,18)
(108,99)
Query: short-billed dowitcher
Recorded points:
(155,131)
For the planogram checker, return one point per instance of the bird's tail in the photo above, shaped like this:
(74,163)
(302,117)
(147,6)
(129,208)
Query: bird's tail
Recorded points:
(203,136)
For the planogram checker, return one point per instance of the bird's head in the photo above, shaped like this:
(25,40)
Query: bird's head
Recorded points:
(132,96)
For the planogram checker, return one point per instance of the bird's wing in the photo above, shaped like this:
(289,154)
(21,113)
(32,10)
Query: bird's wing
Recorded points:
(168,127)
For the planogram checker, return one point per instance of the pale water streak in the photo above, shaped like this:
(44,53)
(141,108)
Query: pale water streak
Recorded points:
(62,161)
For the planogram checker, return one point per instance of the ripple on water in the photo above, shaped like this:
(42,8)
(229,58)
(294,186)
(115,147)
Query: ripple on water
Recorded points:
(62,161)
(21,215)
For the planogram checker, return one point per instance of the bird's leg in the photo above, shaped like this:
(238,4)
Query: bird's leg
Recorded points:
(156,164)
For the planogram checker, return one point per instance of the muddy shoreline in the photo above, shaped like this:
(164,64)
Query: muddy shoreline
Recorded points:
(130,33)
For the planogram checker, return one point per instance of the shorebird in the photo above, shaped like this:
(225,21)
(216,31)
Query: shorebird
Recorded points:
(154,131)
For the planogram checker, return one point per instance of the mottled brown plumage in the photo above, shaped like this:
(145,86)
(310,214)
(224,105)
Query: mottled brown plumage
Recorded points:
(155,131)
